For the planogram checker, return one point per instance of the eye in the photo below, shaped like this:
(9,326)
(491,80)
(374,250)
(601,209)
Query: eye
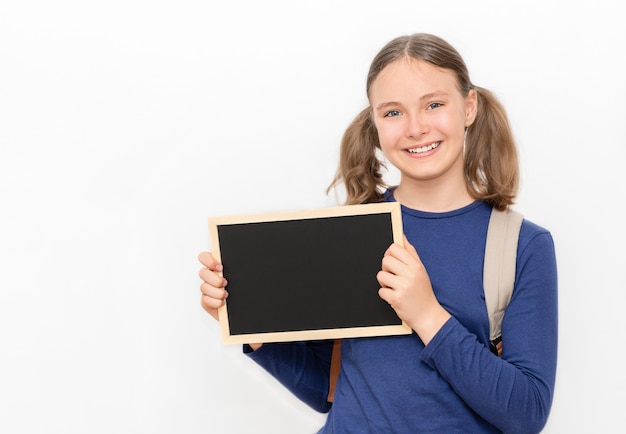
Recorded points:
(392,113)
(434,105)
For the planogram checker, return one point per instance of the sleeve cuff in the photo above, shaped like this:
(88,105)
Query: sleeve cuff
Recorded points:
(438,340)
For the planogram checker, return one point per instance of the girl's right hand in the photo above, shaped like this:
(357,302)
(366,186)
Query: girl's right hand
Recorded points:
(213,287)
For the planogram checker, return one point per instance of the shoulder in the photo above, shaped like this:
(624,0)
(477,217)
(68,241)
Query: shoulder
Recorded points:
(531,230)
(535,241)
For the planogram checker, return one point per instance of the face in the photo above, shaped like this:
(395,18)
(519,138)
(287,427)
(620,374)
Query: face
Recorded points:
(421,117)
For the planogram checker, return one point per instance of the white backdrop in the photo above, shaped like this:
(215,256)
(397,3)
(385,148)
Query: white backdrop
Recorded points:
(124,125)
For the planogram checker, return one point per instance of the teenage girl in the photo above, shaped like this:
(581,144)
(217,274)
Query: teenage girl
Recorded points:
(452,144)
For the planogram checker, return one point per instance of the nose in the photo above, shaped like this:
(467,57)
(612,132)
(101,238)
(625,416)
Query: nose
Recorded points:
(416,125)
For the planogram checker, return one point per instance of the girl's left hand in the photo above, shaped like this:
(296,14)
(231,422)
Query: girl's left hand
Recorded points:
(405,285)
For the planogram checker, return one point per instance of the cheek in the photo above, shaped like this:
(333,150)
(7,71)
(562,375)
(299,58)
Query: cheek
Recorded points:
(383,141)
(388,136)
(453,125)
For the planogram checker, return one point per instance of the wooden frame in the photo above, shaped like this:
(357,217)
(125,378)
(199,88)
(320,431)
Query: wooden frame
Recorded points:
(306,275)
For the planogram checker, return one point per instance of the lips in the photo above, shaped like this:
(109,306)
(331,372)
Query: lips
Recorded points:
(422,149)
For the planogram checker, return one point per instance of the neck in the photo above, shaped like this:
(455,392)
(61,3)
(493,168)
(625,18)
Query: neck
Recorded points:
(432,196)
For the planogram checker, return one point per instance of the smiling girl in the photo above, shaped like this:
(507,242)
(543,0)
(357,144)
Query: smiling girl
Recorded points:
(453,147)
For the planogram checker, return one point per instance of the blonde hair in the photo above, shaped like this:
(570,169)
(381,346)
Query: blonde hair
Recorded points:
(491,164)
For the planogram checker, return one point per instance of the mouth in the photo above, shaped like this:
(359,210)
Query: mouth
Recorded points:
(422,149)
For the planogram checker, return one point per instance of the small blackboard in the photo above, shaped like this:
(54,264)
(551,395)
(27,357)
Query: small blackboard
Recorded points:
(306,274)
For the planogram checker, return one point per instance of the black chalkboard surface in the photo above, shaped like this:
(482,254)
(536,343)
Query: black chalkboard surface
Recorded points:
(306,274)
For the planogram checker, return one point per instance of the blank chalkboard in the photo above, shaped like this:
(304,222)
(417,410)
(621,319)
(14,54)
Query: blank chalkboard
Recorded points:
(306,274)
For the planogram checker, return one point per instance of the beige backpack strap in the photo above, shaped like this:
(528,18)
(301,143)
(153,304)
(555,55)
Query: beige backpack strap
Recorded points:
(335,363)
(499,268)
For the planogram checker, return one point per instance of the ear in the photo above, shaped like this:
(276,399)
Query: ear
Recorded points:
(471,107)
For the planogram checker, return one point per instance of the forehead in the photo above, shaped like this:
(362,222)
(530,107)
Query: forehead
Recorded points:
(408,77)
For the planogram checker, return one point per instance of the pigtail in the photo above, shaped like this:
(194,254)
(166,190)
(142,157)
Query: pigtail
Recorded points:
(359,167)
(491,161)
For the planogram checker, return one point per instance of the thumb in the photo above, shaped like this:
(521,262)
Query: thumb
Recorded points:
(409,247)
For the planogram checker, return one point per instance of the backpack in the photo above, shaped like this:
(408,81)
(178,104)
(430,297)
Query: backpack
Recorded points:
(498,281)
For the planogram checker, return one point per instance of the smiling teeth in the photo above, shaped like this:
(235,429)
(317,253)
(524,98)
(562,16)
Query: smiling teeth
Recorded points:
(424,148)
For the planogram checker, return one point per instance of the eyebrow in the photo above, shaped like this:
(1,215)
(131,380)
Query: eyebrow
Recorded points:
(436,94)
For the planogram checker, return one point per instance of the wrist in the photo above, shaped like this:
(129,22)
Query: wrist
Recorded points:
(427,326)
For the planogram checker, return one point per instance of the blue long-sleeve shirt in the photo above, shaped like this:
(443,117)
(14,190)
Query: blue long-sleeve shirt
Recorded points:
(455,384)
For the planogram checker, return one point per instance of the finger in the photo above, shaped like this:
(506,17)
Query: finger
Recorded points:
(209,306)
(392,264)
(209,261)
(399,252)
(387,280)
(387,295)
(212,278)
(409,247)
(213,292)
(212,299)
(211,303)
(406,256)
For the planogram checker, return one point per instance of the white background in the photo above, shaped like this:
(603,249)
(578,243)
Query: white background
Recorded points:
(124,125)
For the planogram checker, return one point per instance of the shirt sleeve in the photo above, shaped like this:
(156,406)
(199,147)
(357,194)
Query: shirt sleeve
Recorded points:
(514,392)
(302,367)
